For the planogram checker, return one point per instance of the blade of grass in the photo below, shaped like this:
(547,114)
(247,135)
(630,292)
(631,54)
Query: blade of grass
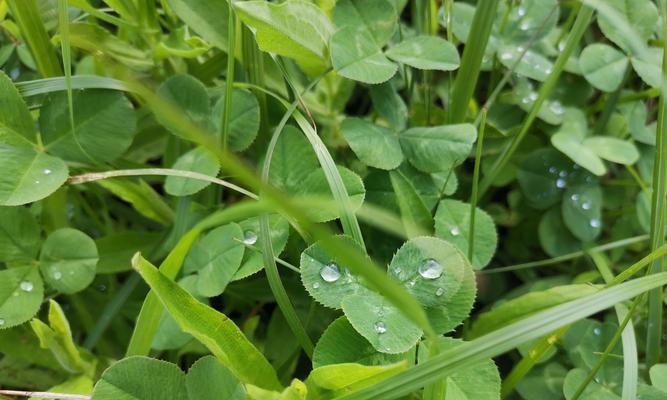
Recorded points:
(63,21)
(505,339)
(658,213)
(475,182)
(471,61)
(229,79)
(49,85)
(27,16)
(581,24)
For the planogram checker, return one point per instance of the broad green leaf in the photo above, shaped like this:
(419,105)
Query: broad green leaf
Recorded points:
(648,66)
(532,65)
(126,380)
(80,384)
(68,260)
(658,374)
(510,311)
(613,149)
(19,234)
(57,337)
(342,376)
(293,159)
(375,146)
(169,335)
(582,209)
(104,125)
(438,148)
(208,18)
(340,343)
(208,379)
(426,52)
(213,329)
(200,160)
(21,294)
(417,219)
(389,105)
(327,280)
(555,238)
(16,124)
(452,223)
(294,29)
(252,260)
(315,185)
(530,19)
(636,114)
(476,382)
(28,176)
(188,95)
(572,146)
(378,18)
(215,259)
(383,325)
(641,15)
(355,55)
(244,119)
(545,173)
(603,66)
(142,197)
(543,383)
(95,39)
(431,269)
(594,390)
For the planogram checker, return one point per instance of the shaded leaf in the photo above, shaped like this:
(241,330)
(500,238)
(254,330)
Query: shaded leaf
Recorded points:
(426,52)
(200,160)
(374,145)
(68,260)
(21,294)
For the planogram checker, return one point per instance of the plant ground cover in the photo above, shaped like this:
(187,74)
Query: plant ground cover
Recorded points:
(333,199)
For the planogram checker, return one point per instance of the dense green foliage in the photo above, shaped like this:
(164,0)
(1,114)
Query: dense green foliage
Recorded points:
(333,199)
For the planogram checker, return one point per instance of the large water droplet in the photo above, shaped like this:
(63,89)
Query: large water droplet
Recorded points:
(249,238)
(595,223)
(430,269)
(57,275)
(380,327)
(26,286)
(560,183)
(439,292)
(586,205)
(330,272)
(455,231)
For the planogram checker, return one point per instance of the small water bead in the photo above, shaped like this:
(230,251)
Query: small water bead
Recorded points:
(521,11)
(524,26)
(533,96)
(595,223)
(506,55)
(36,182)
(575,197)
(46,171)
(557,108)
(597,331)
(562,174)
(330,272)
(249,238)
(380,327)
(101,288)
(455,231)
(2,321)
(439,292)
(430,269)
(560,183)
(553,170)
(412,283)
(316,285)
(57,275)
(520,49)
(26,286)
(586,205)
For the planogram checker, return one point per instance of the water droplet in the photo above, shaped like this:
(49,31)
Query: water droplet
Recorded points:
(430,269)
(397,270)
(249,238)
(553,170)
(316,285)
(57,275)
(101,288)
(575,197)
(595,223)
(557,108)
(597,331)
(560,183)
(506,55)
(562,173)
(521,11)
(330,272)
(586,205)
(46,171)
(412,283)
(36,182)
(439,292)
(533,96)
(2,321)
(524,26)
(380,327)
(575,166)
(525,100)
(455,231)
(548,70)
(520,49)
(561,46)
(26,286)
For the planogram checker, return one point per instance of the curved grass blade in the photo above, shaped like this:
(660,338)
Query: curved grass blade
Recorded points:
(49,85)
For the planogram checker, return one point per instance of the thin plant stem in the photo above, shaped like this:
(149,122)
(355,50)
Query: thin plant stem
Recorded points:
(44,395)
(475,183)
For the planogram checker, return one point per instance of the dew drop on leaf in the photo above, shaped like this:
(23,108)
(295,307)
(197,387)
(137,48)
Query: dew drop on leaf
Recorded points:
(430,269)
(586,205)
(455,231)
(521,11)
(575,197)
(26,286)
(380,327)
(595,223)
(553,169)
(330,272)
(249,238)
(2,321)
(597,331)
(560,183)
(57,275)
(439,292)
(46,171)
(316,285)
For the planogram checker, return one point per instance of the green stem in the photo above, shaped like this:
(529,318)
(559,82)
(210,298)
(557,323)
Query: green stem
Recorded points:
(229,84)
(475,182)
